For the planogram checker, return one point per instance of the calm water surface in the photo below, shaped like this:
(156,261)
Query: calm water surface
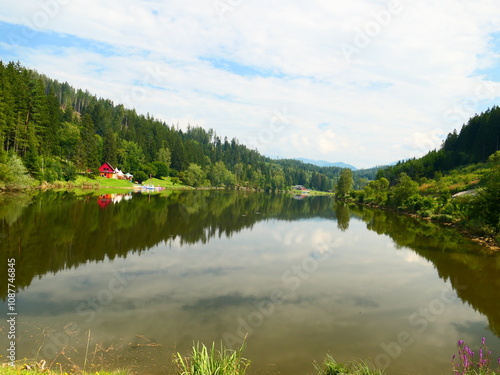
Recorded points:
(136,278)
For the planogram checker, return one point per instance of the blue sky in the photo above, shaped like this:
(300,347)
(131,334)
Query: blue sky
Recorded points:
(366,82)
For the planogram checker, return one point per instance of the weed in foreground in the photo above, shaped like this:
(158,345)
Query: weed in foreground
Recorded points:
(470,364)
(204,361)
(332,367)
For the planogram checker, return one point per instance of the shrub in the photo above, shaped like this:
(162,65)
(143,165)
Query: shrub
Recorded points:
(418,203)
(443,218)
(13,174)
(424,213)
(140,176)
(404,189)
(358,195)
(50,175)
(69,172)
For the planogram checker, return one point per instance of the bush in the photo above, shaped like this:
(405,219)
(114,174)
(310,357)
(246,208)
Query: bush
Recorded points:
(161,169)
(69,172)
(448,209)
(418,203)
(404,189)
(140,176)
(358,195)
(13,174)
(442,218)
(50,175)
(424,213)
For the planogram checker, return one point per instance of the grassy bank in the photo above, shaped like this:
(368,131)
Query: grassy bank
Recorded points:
(35,370)
(311,193)
(211,360)
(85,182)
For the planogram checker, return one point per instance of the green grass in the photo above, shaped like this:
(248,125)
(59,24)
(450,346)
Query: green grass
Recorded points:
(332,367)
(204,361)
(165,182)
(34,370)
(311,192)
(103,182)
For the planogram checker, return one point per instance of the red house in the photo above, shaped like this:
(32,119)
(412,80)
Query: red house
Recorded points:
(106,170)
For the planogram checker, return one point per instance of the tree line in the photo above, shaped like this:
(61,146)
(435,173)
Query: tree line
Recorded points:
(50,131)
(477,140)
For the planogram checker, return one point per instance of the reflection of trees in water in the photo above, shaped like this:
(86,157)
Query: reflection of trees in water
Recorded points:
(343,216)
(475,277)
(53,231)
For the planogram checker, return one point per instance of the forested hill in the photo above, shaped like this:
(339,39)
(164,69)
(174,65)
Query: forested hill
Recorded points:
(476,141)
(57,132)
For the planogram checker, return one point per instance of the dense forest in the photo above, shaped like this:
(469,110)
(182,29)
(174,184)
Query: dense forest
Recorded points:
(475,143)
(50,131)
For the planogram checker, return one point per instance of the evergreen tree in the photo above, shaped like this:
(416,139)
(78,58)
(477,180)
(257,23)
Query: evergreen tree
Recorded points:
(164,156)
(89,143)
(109,148)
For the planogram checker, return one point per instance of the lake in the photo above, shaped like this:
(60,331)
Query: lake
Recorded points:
(125,281)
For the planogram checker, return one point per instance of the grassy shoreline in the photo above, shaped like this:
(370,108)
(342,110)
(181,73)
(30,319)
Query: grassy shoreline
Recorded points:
(106,183)
(210,360)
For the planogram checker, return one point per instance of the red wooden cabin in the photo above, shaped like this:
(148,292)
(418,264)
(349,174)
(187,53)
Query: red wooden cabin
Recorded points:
(106,170)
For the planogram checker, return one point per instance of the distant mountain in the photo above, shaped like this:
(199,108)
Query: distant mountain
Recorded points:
(323,163)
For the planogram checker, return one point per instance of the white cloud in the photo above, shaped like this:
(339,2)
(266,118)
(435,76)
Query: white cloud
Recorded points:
(395,98)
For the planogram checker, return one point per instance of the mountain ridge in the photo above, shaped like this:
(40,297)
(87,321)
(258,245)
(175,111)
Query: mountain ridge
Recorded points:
(324,163)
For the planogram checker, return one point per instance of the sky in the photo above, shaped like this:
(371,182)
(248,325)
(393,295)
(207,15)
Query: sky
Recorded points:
(365,82)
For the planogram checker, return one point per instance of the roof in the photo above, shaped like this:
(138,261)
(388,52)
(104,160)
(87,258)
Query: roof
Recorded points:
(106,167)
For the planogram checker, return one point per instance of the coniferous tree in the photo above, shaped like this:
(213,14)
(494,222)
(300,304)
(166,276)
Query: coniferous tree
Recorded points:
(89,143)
(110,149)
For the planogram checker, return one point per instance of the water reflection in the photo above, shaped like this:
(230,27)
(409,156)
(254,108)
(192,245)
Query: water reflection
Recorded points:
(105,199)
(55,231)
(214,262)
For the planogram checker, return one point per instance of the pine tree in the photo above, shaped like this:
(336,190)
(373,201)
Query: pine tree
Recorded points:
(89,143)
(110,149)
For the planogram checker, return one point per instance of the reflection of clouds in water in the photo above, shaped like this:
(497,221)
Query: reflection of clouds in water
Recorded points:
(358,296)
(221,302)
(320,237)
(410,256)
(364,302)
